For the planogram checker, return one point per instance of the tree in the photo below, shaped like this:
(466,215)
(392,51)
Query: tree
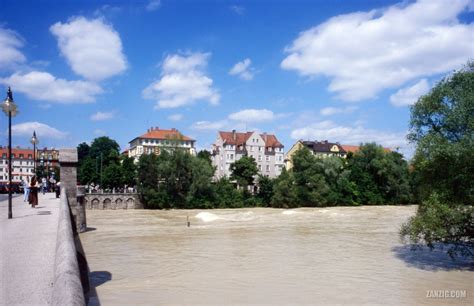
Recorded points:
(284,193)
(265,189)
(244,170)
(104,149)
(129,171)
(442,127)
(205,155)
(83,151)
(310,184)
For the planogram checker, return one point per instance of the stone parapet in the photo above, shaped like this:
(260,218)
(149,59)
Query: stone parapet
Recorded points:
(112,201)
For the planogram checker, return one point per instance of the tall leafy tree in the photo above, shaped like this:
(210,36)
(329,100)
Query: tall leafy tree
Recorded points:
(244,170)
(442,127)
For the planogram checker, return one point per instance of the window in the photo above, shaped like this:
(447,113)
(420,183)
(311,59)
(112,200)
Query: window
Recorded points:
(232,156)
(30,156)
(269,149)
(280,158)
(21,155)
(259,149)
(13,155)
(260,167)
(268,168)
(251,148)
(260,158)
(267,158)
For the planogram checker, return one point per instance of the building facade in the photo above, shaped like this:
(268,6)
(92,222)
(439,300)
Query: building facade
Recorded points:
(231,146)
(47,160)
(155,140)
(321,149)
(22,164)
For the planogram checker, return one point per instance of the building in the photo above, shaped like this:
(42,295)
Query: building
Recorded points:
(155,140)
(22,164)
(231,146)
(321,149)
(47,160)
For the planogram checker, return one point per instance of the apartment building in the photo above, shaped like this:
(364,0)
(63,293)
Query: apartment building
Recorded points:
(22,164)
(155,140)
(231,146)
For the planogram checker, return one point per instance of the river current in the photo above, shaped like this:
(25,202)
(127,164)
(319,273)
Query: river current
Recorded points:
(338,255)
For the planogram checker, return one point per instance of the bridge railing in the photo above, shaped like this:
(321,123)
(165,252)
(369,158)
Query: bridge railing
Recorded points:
(67,287)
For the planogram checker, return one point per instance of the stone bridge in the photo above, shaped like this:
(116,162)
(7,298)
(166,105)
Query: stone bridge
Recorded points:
(112,201)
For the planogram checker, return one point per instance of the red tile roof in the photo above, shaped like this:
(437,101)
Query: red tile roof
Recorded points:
(353,149)
(17,152)
(156,133)
(241,138)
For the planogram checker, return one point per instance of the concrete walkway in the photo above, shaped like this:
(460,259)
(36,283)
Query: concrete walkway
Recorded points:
(27,250)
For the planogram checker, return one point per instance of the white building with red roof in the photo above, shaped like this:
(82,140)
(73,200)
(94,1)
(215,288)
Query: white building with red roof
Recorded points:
(22,164)
(155,140)
(231,146)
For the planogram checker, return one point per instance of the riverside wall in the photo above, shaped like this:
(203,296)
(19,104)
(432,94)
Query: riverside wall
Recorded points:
(112,201)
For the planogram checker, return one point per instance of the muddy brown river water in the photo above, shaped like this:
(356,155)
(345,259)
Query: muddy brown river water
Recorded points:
(339,255)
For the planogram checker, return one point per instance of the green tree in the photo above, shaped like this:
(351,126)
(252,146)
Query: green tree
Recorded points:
(308,172)
(265,190)
(243,171)
(205,155)
(129,171)
(83,151)
(442,127)
(112,176)
(284,193)
(105,150)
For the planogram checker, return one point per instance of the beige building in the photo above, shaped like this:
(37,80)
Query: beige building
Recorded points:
(319,148)
(231,146)
(22,164)
(155,140)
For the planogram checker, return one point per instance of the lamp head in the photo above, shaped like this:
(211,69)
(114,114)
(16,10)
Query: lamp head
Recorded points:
(9,106)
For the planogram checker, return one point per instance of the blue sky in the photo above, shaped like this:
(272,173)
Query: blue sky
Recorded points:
(344,71)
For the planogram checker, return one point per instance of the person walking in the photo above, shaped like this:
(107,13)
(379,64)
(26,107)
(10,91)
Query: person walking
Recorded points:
(26,189)
(34,186)
(44,183)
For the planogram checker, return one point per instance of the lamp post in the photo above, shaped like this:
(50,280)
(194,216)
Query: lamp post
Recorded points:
(10,109)
(34,140)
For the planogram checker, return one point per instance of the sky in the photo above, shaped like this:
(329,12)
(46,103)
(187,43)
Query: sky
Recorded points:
(343,71)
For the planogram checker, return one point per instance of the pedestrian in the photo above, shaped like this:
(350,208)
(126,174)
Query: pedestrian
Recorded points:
(26,189)
(58,189)
(34,186)
(44,183)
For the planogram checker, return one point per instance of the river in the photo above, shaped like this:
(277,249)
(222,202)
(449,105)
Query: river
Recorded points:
(338,255)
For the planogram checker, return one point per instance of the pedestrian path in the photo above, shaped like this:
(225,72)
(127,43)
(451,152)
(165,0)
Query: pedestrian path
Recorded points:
(27,250)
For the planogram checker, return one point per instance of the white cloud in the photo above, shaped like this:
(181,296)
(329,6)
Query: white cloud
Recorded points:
(345,134)
(183,82)
(99,132)
(175,117)
(42,130)
(153,5)
(409,95)
(208,125)
(92,48)
(329,111)
(242,70)
(253,115)
(238,9)
(10,43)
(44,86)
(102,116)
(364,53)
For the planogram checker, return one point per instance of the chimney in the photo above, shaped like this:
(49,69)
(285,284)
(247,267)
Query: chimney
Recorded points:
(234,136)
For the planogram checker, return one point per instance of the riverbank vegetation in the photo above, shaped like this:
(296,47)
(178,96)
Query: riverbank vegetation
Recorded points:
(176,179)
(442,127)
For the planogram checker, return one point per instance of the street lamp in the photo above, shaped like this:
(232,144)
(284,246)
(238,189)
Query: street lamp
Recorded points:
(34,140)
(10,109)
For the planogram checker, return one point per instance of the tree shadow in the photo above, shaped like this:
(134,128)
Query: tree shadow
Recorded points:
(437,259)
(97,278)
(44,213)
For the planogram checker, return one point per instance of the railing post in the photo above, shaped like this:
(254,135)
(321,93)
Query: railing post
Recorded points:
(68,162)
